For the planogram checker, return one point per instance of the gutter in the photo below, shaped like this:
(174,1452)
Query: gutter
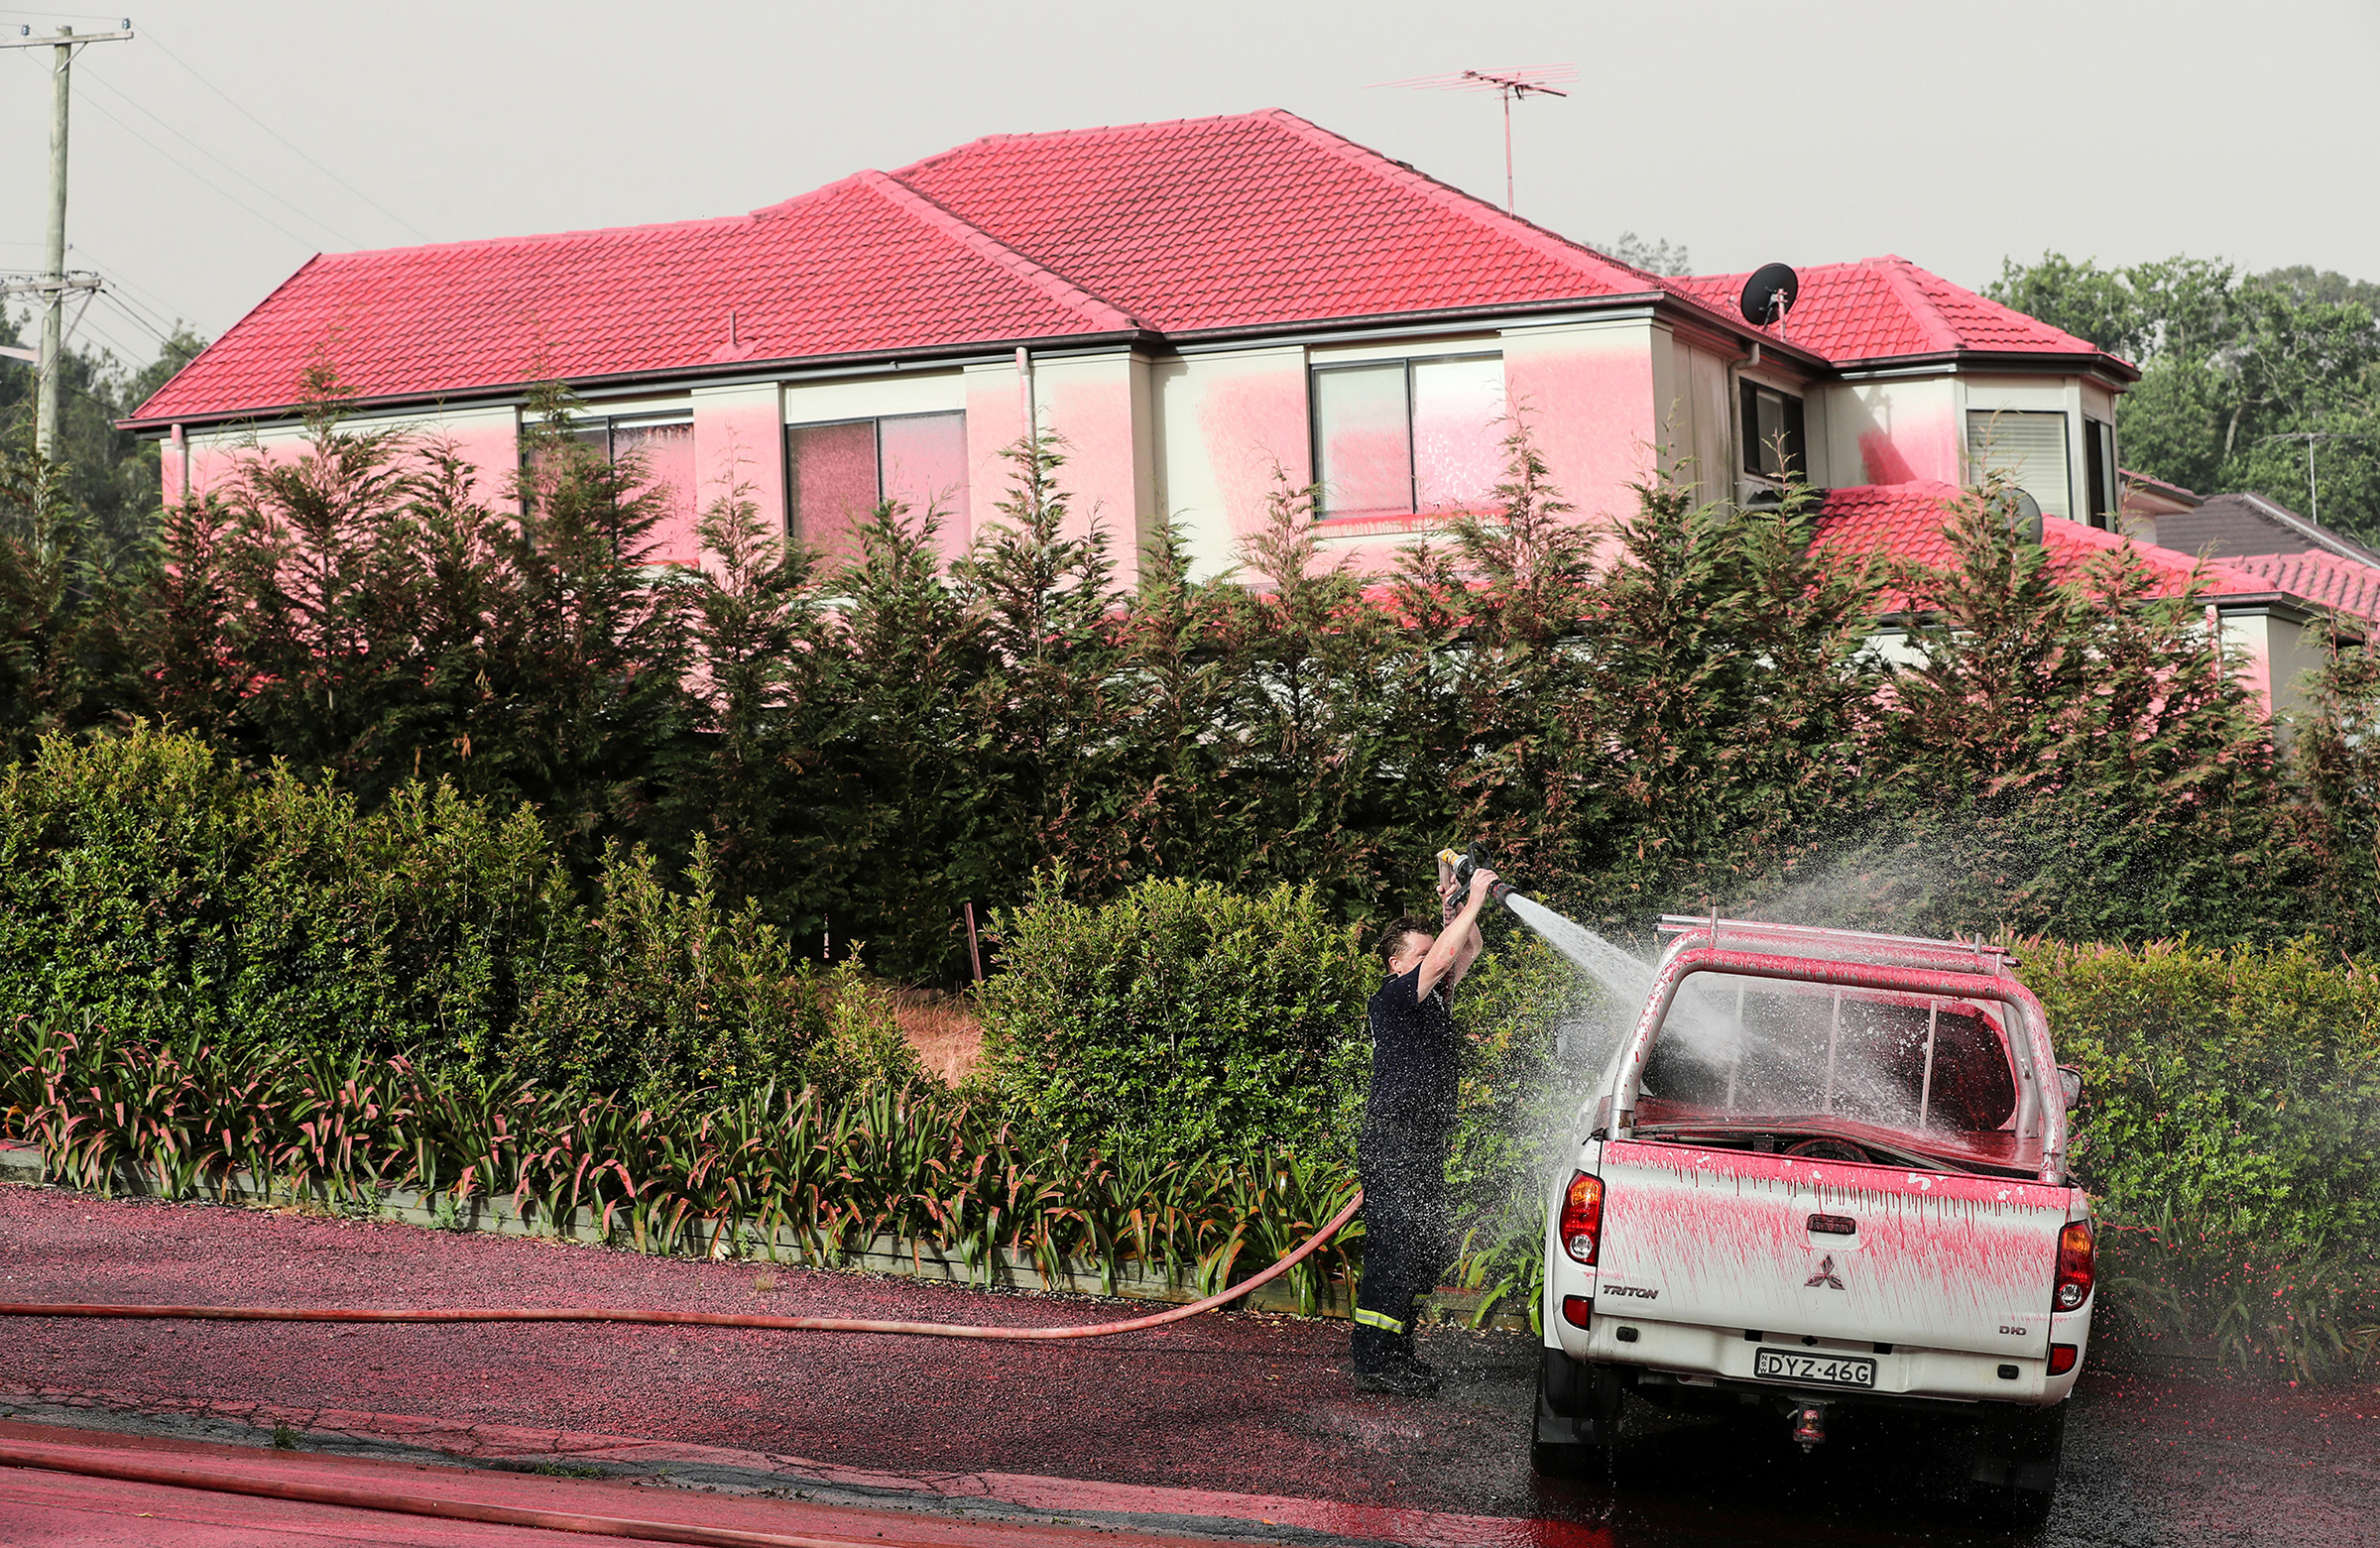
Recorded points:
(987,351)
(680,378)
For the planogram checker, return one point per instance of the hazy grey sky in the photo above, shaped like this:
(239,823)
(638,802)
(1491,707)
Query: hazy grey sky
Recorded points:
(1802,130)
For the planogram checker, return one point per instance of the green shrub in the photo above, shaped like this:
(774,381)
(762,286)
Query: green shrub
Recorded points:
(858,1045)
(1181,1014)
(2232,1138)
(149,886)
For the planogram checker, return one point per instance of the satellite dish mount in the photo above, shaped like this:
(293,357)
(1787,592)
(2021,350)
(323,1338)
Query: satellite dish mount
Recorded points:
(1768,295)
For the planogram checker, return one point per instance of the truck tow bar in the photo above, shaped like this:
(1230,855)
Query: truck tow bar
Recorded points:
(1810,1426)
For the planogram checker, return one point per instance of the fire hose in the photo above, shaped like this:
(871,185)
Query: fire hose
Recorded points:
(191,1474)
(647,1313)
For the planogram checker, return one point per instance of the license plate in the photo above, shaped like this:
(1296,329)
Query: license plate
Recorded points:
(1776,1364)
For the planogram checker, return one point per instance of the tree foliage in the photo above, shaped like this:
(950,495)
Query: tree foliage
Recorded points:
(2266,381)
(1681,709)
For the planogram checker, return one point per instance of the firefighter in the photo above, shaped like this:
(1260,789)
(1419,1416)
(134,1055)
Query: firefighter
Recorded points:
(1408,1124)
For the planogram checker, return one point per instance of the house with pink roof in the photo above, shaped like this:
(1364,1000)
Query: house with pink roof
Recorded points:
(1193,307)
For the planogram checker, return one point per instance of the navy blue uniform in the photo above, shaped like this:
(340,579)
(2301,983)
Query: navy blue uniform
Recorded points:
(1408,1126)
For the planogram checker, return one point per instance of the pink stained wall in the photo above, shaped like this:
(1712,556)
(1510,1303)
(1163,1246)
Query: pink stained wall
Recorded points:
(739,440)
(492,449)
(1094,413)
(994,422)
(1895,433)
(1590,399)
(1250,419)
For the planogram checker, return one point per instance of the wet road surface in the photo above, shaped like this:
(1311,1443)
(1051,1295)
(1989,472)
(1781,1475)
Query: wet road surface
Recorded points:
(1237,1426)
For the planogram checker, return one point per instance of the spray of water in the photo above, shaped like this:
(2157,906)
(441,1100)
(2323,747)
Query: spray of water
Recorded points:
(1622,975)
(1706,1023)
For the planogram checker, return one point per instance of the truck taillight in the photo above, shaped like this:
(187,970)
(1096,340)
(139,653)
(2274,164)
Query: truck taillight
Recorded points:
(1583,1217)
(2078,1264)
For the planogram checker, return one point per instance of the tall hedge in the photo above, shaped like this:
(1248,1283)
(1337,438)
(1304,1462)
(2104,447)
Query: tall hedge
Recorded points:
(2233,1092)
(1670,707)
(150,886)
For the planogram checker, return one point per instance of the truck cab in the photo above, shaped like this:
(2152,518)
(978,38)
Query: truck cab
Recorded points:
(1825,1170)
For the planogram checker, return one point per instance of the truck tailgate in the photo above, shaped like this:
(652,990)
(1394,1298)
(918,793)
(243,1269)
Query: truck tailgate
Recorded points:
(1724,1239)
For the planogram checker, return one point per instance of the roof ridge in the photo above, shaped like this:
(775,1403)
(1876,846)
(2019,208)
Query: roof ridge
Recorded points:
(1078,134)
(532,238)
(1091,309)
(2306,527)
(1470,206)
(1897,273)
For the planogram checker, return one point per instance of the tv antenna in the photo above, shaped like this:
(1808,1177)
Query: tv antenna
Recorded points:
(1524,80)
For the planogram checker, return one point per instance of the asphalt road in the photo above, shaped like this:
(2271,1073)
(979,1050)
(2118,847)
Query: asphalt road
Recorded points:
(1230,1425)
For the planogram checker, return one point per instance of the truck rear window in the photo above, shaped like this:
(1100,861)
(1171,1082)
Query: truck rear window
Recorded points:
(1742,1046)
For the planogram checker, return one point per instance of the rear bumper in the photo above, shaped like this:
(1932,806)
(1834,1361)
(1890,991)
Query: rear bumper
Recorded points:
(1697,1355)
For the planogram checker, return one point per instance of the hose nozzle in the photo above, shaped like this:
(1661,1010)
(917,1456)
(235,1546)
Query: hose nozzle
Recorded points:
(1460,867)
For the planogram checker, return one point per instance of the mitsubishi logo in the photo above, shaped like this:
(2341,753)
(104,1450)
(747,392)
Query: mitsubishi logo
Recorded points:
(1825,1275)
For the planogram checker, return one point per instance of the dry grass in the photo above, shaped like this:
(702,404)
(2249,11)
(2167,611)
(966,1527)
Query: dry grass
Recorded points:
(943,1029)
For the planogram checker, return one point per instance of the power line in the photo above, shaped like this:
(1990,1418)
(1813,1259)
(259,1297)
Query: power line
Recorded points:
(139,314)
(192,72)
(143,323)
(293,208)
(228,197)
(117,275)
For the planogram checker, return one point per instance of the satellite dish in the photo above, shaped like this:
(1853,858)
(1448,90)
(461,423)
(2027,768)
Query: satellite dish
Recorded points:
(1769,294)
(2024,514)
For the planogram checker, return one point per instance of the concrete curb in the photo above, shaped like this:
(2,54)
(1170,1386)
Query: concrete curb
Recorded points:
(900,1257)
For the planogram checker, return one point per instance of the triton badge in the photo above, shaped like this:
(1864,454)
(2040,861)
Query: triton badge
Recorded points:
(1825,1275)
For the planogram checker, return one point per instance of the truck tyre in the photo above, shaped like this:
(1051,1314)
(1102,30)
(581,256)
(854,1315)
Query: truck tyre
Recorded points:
(1577,1418)
(2014,1478)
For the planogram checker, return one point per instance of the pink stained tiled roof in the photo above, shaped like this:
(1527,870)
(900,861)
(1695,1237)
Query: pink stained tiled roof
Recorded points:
(1209,223)
(862,265)
(2348,585)
(1905,521)
(1262,218)
(1881,307)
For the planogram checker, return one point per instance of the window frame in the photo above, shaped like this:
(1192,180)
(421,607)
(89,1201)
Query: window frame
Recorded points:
(1794,416)
(2106,495)
(876,424)
(1979,468)
(1314,433)
(589,419)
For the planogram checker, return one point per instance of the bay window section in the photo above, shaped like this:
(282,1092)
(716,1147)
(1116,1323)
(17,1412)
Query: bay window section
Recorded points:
(838,473)
(1408,437)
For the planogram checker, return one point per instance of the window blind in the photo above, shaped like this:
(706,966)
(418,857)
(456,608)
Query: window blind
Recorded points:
(2029,448)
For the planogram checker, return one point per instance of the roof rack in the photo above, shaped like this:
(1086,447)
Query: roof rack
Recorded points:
(1810,940)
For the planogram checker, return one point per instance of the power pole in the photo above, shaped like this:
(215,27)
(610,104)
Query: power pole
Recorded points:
(55,284)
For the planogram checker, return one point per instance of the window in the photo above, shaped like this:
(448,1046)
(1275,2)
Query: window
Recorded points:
(1773,442)
(1408,437)
(837,474)
(663,443)
(2029,449)
(2098,467)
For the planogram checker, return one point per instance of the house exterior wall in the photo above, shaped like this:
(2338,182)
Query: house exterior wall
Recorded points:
(1088,400)
(2279,652)
(1695,417)
(485,437)
(1223,420)
(1897,429)
(1597,392)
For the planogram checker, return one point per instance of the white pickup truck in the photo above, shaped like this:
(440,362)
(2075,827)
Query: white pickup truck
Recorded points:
(1826,1173)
